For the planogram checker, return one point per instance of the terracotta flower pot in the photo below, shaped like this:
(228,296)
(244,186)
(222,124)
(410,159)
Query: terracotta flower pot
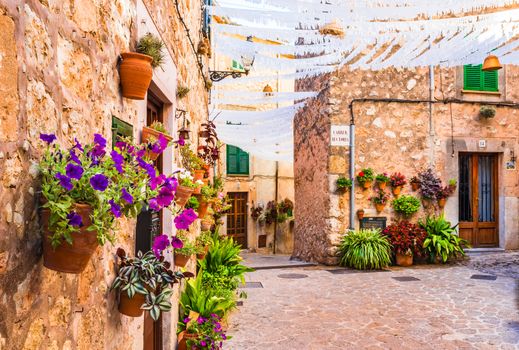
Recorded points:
(380,207)
(404,260)
(201,256)
(206,225)
(367,184)
(415,186)
(382,185)
(181,260)
(397,190)
(183,194)
(131,307)
(70,258)
(149,134)
(198,175)
(183,337)
(135,73)
(360,214)
(442,202)
(202,208)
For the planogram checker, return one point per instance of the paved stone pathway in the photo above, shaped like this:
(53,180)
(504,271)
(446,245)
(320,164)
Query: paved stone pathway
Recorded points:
(444,309)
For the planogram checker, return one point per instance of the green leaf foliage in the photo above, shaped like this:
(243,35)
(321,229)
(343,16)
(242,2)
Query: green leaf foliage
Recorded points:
(365,250)
(442,242)
(406,205)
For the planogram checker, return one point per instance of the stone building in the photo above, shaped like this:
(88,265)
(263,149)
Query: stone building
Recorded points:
(59,71)
(408,134)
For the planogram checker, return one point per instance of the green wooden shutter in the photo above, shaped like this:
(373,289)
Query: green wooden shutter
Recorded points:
(120,129)
(237,161)
(476,79)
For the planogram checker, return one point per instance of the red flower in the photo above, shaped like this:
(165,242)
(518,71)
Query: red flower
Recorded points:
(361,174)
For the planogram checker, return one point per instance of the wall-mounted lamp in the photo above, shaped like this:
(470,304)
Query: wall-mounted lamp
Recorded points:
(183,132)
(247,60)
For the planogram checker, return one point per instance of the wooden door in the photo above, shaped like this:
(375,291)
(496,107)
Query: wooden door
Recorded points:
(237,217)
(478,199)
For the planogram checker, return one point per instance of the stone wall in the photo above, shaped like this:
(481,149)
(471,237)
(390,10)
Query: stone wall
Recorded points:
(59,75)
(402,137)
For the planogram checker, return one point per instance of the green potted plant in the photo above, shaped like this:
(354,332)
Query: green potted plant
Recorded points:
(182,91)
(192,203)
(453,183)
(365,177)
(487,112)
(184,253)
(154,134)
(442,243)
(207,194)
(406,205)
(202,243)
(442,194)
(206,223)
(201,332)
(84,192)
(365,250)
(397,181)
(406,240)
(196,165)
(343,184)
(382,180)
(145,283)
(380,199)
(186,187)
(415,183)
(136,69)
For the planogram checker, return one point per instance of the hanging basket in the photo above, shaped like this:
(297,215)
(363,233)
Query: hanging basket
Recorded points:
(136,74)
(131,307)
(152,135)
(397,190)
(367,184)
(70,258)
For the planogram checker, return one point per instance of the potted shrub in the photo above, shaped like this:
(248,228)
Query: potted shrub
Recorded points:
(397,181)
(85,191)
(202,243)
(365,250)
(145,283)
(186,187)
(487,112)
(136,69)
(207,194)
(406,240)
(442,243)
(157,138)
(365,177)
(406,205)
(201,332)
(196,165)
(430,184)
(343,184)
(382,180)
(380,199)
(184,253)
(360,214)
(415,183)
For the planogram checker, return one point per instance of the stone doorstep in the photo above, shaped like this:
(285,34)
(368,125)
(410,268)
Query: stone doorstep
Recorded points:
(481,251)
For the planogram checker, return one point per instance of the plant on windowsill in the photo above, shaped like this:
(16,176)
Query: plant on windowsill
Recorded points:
(406,240)
(487,112)
(343,184)
(397,181)
(365,250)
(365,177)
(157,138)
(136,69)
(382,180)
(406,205)
(380,199)
(145,283)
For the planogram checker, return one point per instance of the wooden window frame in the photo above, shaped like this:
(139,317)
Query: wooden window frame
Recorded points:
(120,128)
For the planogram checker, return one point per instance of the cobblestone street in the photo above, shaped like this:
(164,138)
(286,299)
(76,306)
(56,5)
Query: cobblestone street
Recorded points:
(442,307)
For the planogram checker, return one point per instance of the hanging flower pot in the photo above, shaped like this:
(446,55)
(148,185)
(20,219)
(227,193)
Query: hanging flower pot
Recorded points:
(382,185)
(442,202)
(131,306)
(206,225)
(360,214)
(198,175)
(201,256)
(152,135)
(380,207)
(136,73)
(367,184)
(415,186)
(202,208)
(397,190)
(70,258)
(404,259)
(182,195)
(181,260)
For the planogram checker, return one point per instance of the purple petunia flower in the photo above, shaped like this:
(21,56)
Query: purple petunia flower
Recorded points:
(171,183)
(78,145)
(157,181)
(118,161)
(74,219)
(64,181)
(150,169)
(99,182)
(154,205)
(186,320)
(121,145)
(200,320)
(126,196)
(48,138)
(176,242)
(160,243)
(203,343)
(181,141)
(181,223)
(190,214)
(165,197)
(100,140)
(74,171)
(74,157)
(140,153)
(115,208)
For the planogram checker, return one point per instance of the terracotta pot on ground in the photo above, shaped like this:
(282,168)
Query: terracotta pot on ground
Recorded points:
(367,185)
(182,339)
(198,175)
(360,214)
(415,186)
(442,202)
(380,207)
(149,134)
(131,307)
(404,260)
(397,190)
(183,194)
(181,260)
(382,185)
(70,258)
(135,73)
(206,225)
